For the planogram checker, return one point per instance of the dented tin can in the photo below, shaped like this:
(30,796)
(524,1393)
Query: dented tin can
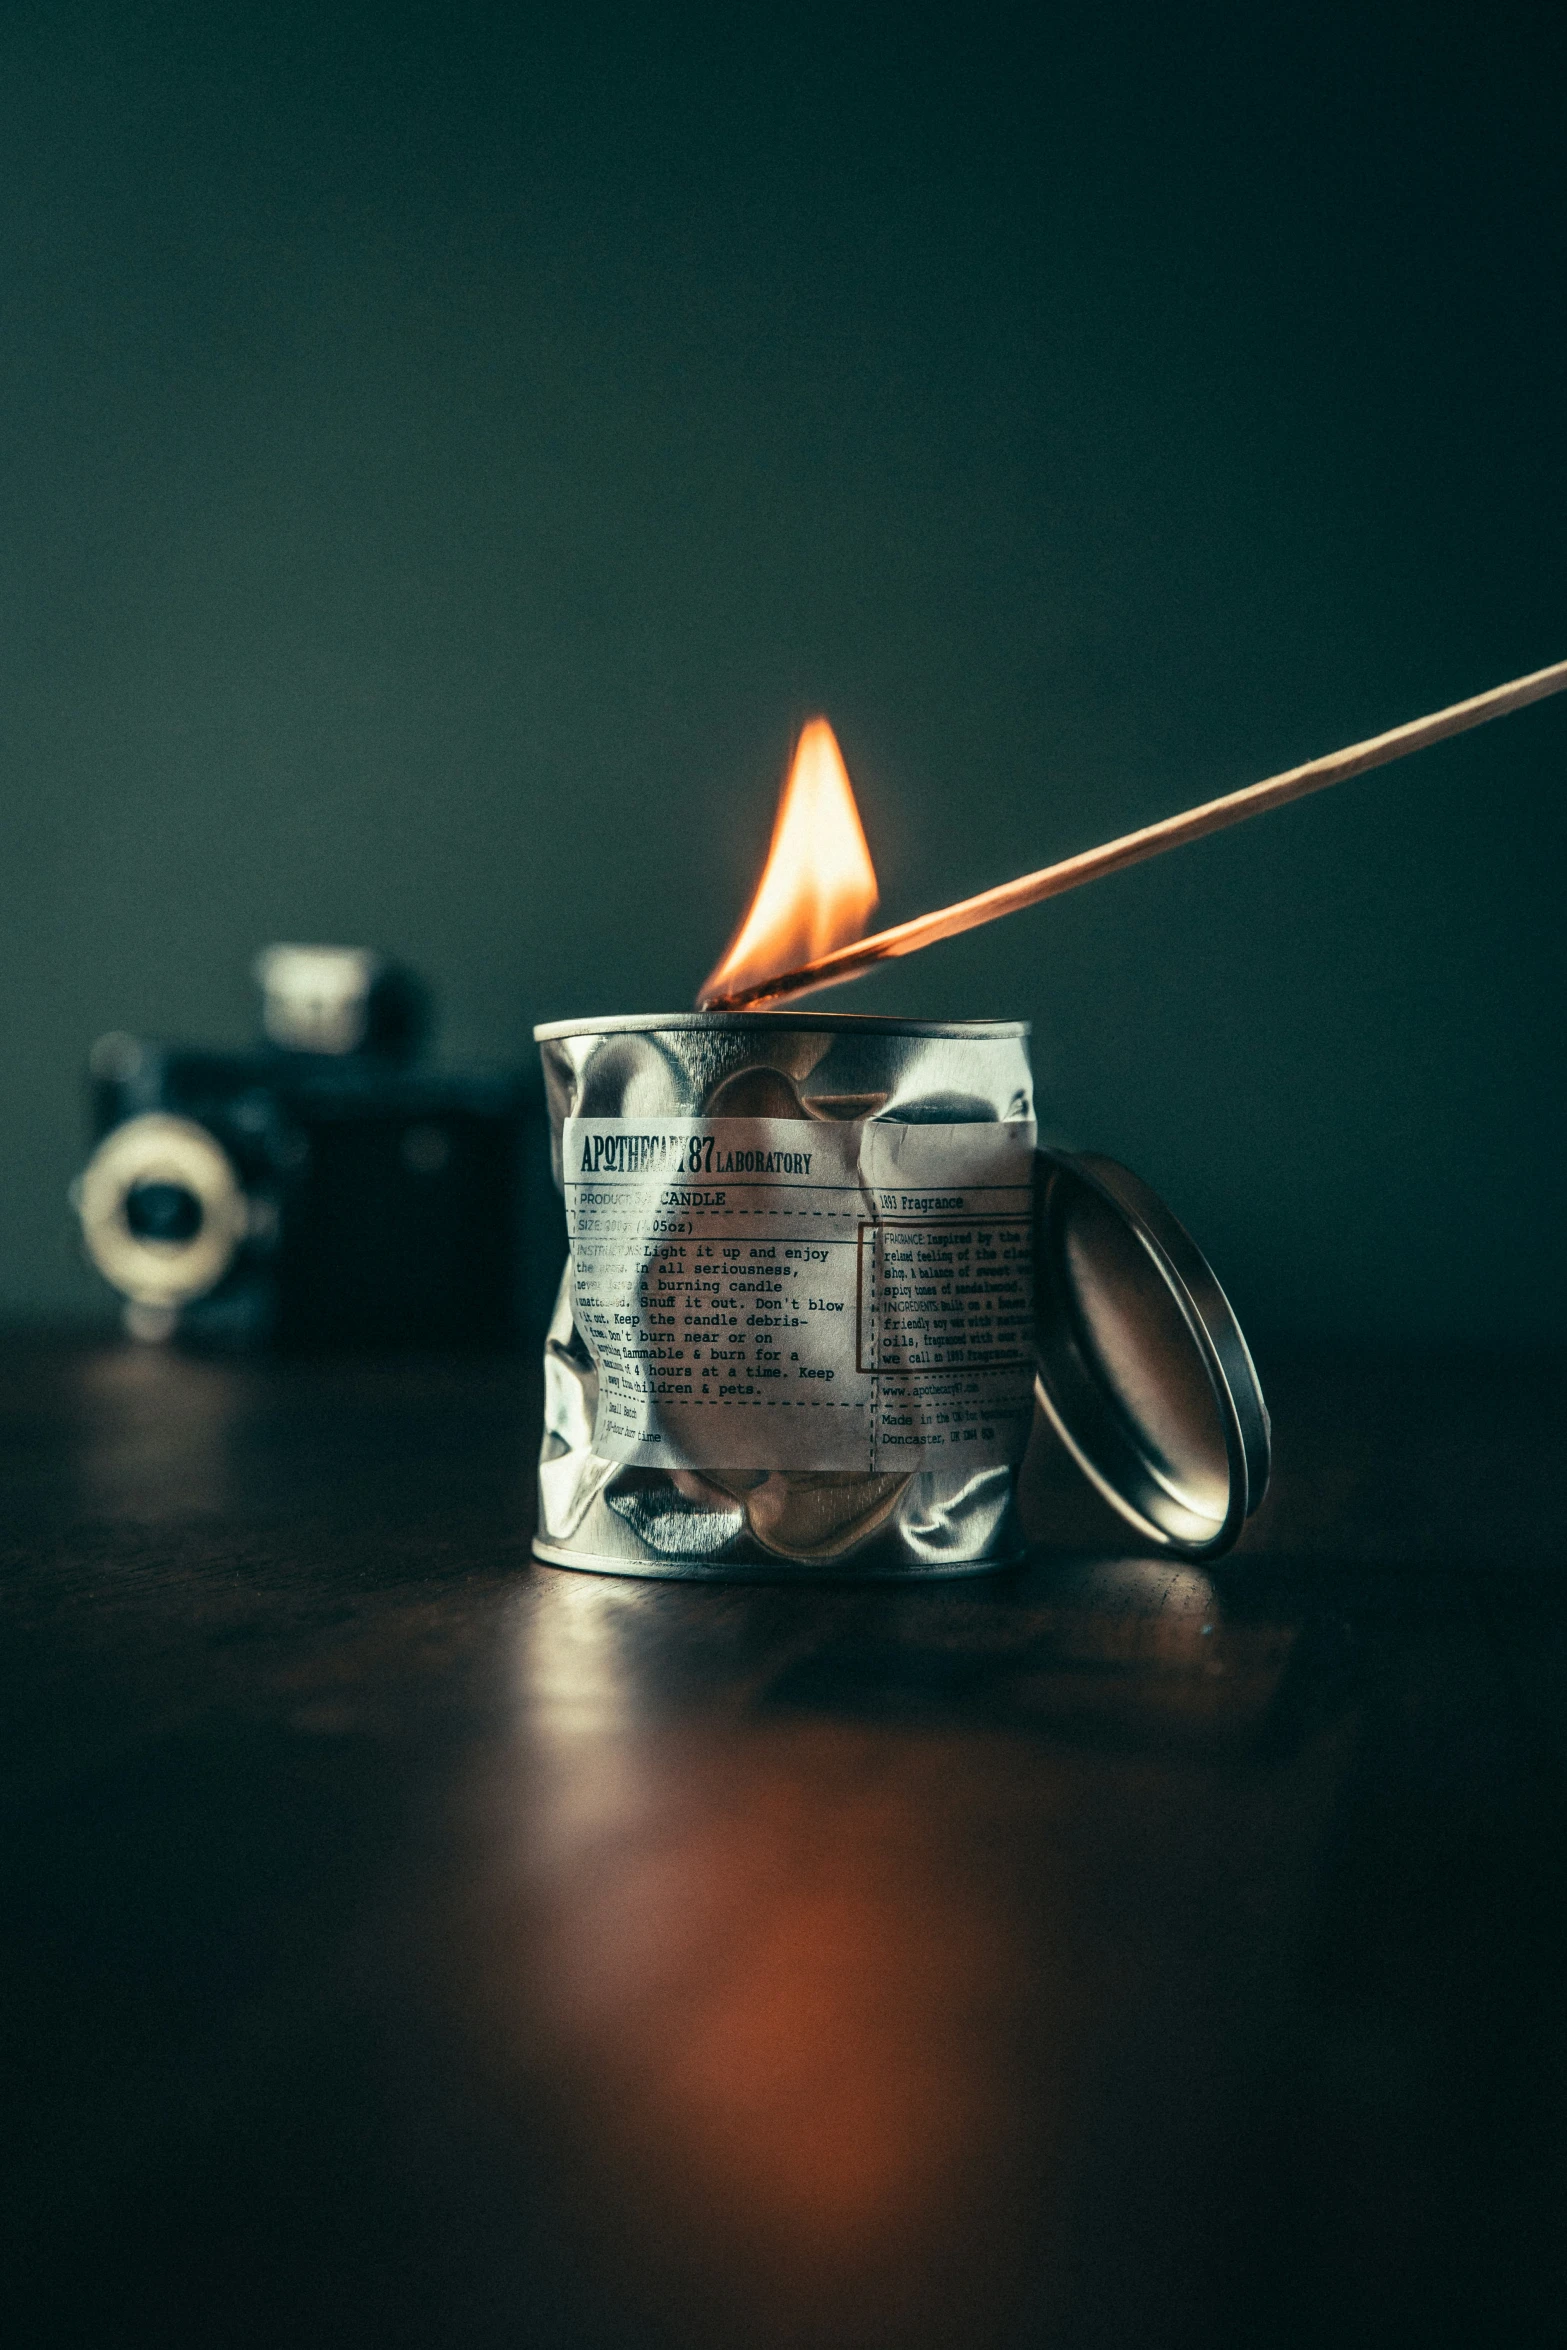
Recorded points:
(794,1336)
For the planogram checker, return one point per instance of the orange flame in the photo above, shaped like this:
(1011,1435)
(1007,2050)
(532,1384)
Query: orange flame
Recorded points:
(818,887)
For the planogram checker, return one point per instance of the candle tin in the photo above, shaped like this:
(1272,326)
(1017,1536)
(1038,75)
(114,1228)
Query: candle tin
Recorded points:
(819,1273)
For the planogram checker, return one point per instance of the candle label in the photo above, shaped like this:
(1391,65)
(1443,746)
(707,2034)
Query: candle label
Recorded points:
(769,1293)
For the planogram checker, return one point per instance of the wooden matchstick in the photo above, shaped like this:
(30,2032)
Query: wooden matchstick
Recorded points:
(1031,889)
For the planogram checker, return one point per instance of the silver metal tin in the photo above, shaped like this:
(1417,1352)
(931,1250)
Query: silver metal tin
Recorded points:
(1100,1303)
(827,1069)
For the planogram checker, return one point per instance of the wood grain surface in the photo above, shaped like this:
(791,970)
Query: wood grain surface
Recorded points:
(409,1944)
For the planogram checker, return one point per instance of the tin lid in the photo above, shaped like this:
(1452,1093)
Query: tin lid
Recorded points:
(1143,1370)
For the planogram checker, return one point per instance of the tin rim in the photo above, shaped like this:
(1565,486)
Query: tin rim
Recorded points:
(867,1024)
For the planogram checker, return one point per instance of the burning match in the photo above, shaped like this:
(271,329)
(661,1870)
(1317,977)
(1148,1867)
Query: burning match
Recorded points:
(804,927)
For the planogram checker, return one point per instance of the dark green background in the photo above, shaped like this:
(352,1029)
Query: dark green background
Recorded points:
(446,453)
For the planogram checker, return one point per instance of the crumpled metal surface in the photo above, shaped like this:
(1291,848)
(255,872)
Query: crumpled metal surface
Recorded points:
(605,1515)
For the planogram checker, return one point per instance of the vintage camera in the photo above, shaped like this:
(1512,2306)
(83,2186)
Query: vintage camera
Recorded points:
(322,1188)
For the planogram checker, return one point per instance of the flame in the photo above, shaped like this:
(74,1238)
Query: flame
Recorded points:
(818,888)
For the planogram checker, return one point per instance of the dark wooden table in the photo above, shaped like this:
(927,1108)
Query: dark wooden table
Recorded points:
(408,1944)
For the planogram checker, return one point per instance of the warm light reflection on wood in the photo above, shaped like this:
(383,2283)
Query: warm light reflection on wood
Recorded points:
(813,1997)
(768,1994)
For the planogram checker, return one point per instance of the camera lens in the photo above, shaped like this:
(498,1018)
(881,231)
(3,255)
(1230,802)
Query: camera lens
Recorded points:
(162,1211)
